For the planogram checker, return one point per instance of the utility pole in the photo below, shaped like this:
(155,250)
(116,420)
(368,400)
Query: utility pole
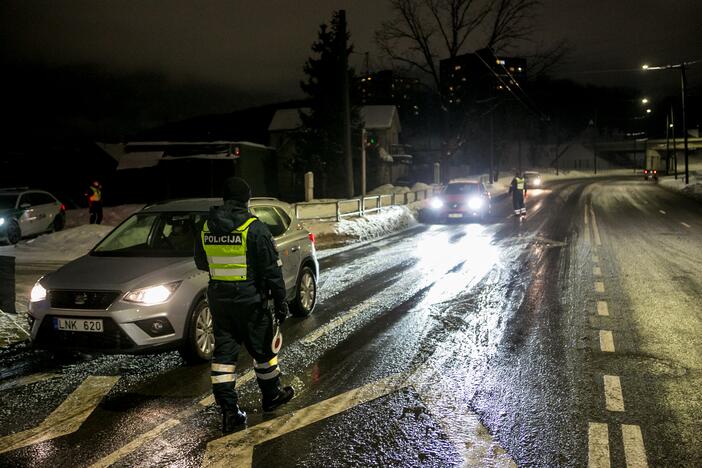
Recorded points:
(683,82)
(675,148)
(492,145)
(363,161)
(345,102)
(667,144)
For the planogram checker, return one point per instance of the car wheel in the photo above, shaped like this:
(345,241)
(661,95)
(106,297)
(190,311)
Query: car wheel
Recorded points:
(305,293)
(199,339)
(59,222)
(14,233)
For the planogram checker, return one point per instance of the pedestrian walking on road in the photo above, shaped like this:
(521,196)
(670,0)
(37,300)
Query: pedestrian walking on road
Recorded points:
(246,296)
(518,190)
(94,195)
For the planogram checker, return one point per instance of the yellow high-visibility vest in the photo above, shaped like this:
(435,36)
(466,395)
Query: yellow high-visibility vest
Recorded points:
(226,254)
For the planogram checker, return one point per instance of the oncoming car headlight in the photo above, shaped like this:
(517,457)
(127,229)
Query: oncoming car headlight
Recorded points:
(38,293)
(537,182)
(475,203)
(152,295)
(436,203)
(2,221)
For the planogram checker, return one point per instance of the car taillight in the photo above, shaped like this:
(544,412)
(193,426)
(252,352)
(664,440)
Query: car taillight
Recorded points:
(654,171)
(311,236)
(63,207)
(645,171)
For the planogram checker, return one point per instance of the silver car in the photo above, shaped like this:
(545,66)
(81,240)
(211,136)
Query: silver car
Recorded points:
(138,289)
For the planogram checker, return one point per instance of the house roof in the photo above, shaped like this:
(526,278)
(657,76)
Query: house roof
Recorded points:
(287,119)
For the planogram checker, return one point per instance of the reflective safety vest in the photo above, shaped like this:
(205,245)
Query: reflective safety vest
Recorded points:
(226,254)
(520,183)
(96,195)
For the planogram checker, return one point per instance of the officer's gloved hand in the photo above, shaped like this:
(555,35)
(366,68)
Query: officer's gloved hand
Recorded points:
(282,311)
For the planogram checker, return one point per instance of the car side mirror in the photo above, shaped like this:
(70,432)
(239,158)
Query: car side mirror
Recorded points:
(25,206)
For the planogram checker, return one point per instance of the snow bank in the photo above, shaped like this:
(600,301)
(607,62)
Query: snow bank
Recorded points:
(60,246)
(388,189)
(359,229)
(111,215)
(693,190)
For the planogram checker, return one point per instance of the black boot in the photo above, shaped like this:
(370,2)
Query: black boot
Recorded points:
(231,418)
(274,400)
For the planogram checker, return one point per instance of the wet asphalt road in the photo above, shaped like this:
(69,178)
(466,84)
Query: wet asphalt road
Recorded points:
(568,337)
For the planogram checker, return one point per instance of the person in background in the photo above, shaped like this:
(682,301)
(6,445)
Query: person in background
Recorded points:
(94,195)
(518,190)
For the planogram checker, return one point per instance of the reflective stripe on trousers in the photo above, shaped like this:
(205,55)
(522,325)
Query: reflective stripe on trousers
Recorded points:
(267,370)
(222,373)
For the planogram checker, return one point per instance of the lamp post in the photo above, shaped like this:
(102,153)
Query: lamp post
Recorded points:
(683,84)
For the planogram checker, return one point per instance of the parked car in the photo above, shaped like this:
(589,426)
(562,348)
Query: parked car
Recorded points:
(461,199)
(138,290)
(25,212)
(532,179)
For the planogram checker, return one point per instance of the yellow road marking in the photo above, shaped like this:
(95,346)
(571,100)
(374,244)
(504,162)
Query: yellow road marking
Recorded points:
(606,341)
(613,393)
(598,446)
(634,447)
(599,286)
(602,308)
(65,419)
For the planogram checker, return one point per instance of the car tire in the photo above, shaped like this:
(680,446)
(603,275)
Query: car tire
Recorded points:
(59,223)
(14,233)
(305,293)
(198,344)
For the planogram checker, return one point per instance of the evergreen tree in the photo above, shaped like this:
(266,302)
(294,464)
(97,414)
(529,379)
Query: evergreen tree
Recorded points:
(319,142)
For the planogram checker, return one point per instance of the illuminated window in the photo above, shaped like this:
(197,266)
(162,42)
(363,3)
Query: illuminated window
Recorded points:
(457,67)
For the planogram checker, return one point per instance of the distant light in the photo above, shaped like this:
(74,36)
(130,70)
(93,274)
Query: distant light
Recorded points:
(671,125)
(644,101)
(457,67)
(648,111)
(645,67)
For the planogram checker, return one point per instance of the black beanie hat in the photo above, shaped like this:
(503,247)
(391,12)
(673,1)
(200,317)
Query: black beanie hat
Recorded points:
(236,188)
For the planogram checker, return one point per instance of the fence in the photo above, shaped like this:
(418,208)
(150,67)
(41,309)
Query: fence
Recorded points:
(338,209)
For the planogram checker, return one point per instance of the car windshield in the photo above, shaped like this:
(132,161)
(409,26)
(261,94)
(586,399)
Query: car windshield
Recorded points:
(152,235)
(461,189)
(7,201)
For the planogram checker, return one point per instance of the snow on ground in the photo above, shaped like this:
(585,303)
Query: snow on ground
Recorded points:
(111,215)
(693,190)
(61,246)
(388,189)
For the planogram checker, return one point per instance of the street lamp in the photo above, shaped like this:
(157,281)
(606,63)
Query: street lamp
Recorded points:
(683,83)
(644,101)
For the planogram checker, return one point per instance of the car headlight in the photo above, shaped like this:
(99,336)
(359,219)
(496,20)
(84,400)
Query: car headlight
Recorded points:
(153,294)
(475,203)
(2,221)
(38,293)
(537,182)
(436,203)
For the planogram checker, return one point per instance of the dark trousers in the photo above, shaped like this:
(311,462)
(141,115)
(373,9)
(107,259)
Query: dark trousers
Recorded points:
(518,201)
(95,211)
(236,323)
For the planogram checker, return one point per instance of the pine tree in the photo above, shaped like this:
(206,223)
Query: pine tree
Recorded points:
(319,142)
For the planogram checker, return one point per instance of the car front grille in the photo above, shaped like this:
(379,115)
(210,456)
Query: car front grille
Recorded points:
(111,338)
(82,300)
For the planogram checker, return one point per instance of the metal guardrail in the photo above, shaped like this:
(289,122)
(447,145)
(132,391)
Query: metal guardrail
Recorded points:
(339,209)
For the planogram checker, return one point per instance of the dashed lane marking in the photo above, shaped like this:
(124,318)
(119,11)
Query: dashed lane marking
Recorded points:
(614,400)
(599,286)
(602,308)
(65,419)
(595,229)
(633,446)
(606,341)
(587,221)
(686,225)
(597,271)
(661,211)
(598,445)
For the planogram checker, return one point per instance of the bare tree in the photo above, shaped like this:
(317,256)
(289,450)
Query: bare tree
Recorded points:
(425,31)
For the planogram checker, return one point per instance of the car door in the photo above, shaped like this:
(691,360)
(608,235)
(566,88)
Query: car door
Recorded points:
(46,208)
(28,217)
(288,245)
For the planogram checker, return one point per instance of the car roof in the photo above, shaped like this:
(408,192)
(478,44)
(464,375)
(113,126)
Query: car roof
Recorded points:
(531,173)
(20,191)
(463,181)
(204,204)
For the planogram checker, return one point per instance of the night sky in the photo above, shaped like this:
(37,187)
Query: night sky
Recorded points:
(258,48)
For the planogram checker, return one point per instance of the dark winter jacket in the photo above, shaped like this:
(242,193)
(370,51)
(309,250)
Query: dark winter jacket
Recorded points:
(265,276)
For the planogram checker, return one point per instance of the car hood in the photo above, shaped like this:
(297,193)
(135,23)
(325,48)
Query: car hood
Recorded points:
(118,273)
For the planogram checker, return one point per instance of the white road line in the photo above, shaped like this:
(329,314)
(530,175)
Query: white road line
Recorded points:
(606,341)
(686,225)
(595,229)
(599,286)
(135,444)
(613,393)
(337,322)
(237,449)
(598,445)
(661,211)
(633,446)
(602,308)
(597,271)
(65,419)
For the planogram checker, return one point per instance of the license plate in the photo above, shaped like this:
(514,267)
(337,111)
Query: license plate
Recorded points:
(455,215)
(79,325)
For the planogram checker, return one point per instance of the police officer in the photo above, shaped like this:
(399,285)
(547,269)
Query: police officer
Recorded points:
(238,252)
(94,195)
(518,190)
